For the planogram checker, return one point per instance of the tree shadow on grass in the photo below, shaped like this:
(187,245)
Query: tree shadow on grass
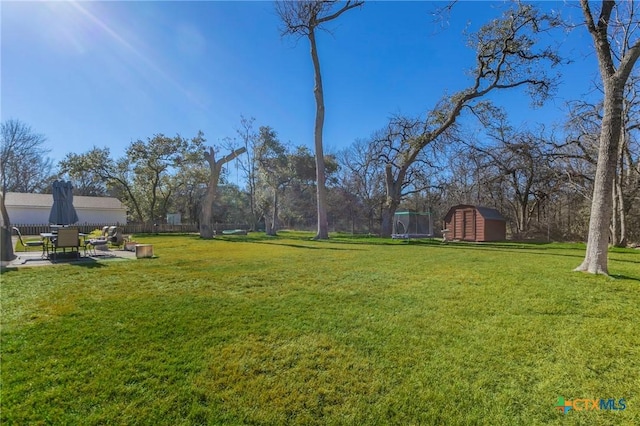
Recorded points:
(88,263)
(551,251)
(521,245)
(278,240)
(303,246)
(546,251)
(624,277)
(501,248)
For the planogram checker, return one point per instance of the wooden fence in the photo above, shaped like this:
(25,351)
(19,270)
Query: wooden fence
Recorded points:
(133,228)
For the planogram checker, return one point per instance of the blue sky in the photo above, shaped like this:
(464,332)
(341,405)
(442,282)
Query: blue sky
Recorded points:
(107,73)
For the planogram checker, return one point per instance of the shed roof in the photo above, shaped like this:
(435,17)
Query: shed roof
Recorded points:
(21,199)
(489,213)
(486,212)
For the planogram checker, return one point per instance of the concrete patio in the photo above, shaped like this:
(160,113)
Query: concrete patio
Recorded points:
(34,258)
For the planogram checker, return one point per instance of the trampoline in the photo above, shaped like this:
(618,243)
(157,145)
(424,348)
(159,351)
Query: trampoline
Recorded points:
(410,224)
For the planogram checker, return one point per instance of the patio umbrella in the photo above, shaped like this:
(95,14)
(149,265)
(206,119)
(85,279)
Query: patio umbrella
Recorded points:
(62,211)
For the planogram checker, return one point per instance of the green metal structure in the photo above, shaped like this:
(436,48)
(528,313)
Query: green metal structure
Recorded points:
(411,224)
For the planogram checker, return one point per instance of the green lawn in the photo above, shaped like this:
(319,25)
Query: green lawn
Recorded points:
(257,330)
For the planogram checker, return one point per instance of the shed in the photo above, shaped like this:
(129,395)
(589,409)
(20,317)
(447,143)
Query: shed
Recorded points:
(33,209)
(473,223)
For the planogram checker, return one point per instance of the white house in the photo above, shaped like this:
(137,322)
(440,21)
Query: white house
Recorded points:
(34,209)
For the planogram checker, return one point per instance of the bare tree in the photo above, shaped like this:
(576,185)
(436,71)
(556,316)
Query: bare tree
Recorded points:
(297,206)
(518,164)
(579,153)
(275,172)
(215,166)
(303,18)
(626,186)
(249,165)
(506,58)
(403,176)
(23,168)
(363,177)
(617,48)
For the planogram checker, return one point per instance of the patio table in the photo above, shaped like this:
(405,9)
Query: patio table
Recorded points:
(47,236)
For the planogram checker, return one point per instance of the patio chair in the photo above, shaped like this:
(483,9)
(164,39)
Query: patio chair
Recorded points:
(115,237)
(90,246)
(67,238)
(102,241)
(26,244)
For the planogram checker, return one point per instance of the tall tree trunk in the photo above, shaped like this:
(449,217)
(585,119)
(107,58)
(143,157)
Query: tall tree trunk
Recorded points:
(622,215)
(387,220)
(206,227)
(620,182)
(523,217)
(569,212)
(615,219)
(272,228)
(595,260)
(303,17)
(252,209)
(206,214)
(321,190)
(613,80)
(267,223)
(618,221)
(251,181)
(6,244)
(393,188)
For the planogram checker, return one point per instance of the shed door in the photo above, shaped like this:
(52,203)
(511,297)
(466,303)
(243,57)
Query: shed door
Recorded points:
(468,225)
(458,225)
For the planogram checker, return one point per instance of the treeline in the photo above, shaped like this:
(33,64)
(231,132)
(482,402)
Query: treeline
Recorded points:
(540,181)
(562,183)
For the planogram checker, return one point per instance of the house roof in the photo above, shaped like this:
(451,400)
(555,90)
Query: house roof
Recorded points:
(21,199)
(486,212)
